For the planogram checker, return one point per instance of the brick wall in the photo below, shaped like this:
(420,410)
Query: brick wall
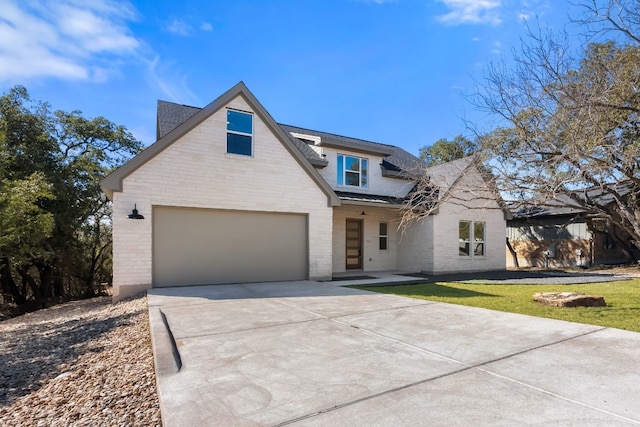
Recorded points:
(196,171)
(377,183)
(471,200)
(373,259)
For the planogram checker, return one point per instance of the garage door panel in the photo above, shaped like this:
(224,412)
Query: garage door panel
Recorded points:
(204,246)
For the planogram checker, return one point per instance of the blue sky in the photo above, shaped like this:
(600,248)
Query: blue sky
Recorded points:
(391,71)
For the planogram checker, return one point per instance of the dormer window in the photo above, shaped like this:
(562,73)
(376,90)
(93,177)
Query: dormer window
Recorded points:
(239,132)
(352,171)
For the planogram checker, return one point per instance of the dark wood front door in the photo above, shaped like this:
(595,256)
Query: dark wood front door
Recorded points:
(354,244)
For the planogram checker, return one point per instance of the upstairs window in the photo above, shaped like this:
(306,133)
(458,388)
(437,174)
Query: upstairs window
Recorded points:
(471,238)
(352,171)
(239,133)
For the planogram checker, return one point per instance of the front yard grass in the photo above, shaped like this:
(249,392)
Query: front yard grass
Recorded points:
(622,298)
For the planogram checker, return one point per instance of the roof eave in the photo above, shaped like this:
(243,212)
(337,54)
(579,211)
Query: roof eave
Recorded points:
(371,204)
(356,147)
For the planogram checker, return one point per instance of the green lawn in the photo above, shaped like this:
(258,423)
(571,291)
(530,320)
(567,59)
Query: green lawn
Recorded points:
(622,298)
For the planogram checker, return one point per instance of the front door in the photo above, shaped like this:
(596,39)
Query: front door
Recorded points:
(354,244)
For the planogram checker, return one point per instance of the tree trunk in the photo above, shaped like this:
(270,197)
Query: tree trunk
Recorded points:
(514,254)
(46,280)
(26,278)
(9,284)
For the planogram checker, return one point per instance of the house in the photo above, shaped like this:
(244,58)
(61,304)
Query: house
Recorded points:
(559,235)
(227,195)
(548,237)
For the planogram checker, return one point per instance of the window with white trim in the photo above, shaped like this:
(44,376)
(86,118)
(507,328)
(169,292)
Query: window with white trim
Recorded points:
(239,133)
(383,237)
(352,171)
(471,238)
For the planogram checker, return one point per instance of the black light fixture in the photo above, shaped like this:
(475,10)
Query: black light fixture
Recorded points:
(134,213)
(363,213)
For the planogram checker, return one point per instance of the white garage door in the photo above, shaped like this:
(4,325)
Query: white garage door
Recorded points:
(206,246)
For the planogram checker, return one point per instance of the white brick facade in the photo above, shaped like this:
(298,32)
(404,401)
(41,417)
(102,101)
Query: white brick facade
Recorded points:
(377,184)
(190,168)
(196,171)
(471,201)
(373,259)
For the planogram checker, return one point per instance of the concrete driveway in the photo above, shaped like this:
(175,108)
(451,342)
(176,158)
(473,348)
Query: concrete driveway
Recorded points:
(316,354)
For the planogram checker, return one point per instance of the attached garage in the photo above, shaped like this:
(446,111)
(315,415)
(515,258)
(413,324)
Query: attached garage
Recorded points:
(193,246)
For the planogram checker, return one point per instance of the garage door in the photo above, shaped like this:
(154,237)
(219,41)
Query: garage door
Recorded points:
(205,246)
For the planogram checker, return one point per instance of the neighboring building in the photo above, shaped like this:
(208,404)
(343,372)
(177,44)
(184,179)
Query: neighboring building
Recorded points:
(559,237)
(227,195)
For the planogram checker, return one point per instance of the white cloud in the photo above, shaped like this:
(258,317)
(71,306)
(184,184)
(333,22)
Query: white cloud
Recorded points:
(178,26)
(206,26)
(66,39)
(531,9)
(173,86)
(471,12)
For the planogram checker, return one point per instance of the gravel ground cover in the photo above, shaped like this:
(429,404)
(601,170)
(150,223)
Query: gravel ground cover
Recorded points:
(82,363)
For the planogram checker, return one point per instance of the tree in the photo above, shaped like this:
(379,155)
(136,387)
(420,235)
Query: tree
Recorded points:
(443,150)
(55,221)
(573,133)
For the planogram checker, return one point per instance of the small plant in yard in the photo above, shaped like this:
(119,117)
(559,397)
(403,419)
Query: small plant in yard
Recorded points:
(622,298)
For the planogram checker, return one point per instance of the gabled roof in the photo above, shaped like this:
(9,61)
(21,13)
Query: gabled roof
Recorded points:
(396,159)
(339,141)
(446,175)
(171,115)
(170,129)
(564,205)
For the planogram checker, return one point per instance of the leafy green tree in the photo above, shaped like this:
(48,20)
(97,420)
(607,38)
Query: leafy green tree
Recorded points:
(54,218)
(443,150)
(573,133)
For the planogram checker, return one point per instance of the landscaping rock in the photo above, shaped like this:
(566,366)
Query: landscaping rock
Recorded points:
(569,299)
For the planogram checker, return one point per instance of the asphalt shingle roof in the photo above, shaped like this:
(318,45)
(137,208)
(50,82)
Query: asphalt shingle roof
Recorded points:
(171,115)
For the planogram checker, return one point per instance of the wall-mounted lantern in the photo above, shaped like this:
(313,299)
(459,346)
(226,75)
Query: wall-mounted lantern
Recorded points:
(134,213)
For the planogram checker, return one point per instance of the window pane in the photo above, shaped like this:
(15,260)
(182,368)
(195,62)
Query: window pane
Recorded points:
(383,243)
(383,228)
(352,178)
(352,163)
(478,249)
(478,231)
(238,144)
(464,231)
(363,173)
(464,249)
(340,170)
(239,122)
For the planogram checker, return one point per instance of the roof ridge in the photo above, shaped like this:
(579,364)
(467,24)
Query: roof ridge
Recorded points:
(182,105)
(338,135)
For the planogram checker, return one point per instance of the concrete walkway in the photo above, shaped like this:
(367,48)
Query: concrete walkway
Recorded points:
(316,354)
